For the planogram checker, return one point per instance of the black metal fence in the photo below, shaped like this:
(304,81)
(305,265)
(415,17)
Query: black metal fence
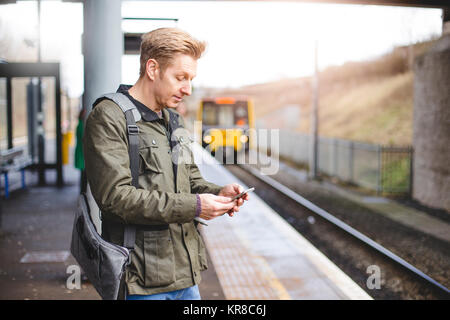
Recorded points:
(384,169)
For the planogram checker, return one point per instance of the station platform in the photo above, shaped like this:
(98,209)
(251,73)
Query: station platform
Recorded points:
(257,255)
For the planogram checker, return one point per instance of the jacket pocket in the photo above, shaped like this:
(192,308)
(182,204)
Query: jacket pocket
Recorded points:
(149,161)
(202,260)
(159,258)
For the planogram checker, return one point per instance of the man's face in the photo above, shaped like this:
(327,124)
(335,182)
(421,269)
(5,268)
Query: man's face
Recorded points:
(175,82)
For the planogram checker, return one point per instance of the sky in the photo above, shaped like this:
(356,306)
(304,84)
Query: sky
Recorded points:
(248,42)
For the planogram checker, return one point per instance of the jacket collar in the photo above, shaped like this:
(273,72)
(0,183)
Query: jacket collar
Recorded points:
(146,113)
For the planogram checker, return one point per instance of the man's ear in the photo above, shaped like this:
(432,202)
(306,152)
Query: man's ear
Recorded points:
(152,69)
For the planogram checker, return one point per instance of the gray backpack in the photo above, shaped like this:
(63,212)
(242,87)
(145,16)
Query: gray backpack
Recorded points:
(104,263)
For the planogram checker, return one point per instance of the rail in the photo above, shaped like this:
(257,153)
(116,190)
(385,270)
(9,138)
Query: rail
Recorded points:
(342,225)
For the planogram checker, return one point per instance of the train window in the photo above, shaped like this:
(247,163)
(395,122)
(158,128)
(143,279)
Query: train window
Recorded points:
(241,112)
(209,115)
(226,116)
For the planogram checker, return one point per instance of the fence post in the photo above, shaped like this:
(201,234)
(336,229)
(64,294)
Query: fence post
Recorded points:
(380,170)
(335,155)
(350,162)
(411,171)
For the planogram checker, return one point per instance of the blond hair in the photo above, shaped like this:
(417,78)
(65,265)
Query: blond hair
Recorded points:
(164,43)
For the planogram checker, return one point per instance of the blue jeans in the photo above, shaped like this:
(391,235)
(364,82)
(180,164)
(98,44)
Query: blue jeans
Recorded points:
(191,293)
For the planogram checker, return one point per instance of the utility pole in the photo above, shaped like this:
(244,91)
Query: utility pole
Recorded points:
(314,139)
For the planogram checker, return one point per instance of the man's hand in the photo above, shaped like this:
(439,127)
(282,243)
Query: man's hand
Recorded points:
(214,206)
(231,190)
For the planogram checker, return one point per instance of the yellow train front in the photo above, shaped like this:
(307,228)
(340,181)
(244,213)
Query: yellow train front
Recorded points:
(227,125)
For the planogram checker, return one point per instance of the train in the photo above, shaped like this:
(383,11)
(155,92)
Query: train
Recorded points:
(226,125)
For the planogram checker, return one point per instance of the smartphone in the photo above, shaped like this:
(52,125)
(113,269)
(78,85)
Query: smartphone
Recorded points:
(200,221)
(242,193)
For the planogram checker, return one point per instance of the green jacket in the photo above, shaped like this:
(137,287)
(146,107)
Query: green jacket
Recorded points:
(169,252)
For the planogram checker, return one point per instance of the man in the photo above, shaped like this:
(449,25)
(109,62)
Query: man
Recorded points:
(169,252)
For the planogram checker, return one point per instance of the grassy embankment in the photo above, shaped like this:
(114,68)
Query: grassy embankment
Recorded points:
(369,101)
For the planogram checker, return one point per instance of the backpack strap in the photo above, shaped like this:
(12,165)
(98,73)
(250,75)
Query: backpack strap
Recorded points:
(129,236)
(122,101)
(131,115)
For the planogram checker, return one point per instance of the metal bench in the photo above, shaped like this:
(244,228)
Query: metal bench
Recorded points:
(13,160)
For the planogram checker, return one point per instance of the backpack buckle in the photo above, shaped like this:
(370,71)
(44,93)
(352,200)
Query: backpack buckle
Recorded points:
(133,129)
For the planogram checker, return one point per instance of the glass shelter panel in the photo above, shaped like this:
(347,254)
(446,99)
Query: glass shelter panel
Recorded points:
(3,116)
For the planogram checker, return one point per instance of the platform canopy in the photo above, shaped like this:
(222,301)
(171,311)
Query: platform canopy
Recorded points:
(403,3)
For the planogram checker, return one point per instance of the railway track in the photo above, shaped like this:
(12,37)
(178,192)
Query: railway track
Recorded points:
(358,255)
